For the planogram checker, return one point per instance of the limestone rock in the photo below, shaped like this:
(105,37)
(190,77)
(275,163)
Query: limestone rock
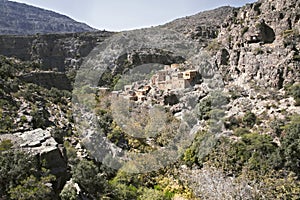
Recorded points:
(40,143)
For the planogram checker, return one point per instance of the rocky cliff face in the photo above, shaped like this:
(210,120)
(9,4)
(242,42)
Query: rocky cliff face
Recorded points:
(259,44)
(52,51)
(202,26)
(22,19)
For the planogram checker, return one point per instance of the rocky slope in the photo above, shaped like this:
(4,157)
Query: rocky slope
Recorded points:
(254,54)
(21,19)
(202,26)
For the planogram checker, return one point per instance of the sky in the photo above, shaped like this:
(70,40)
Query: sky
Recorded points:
(118,15)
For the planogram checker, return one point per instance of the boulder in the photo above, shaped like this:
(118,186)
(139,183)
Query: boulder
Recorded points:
(40,143)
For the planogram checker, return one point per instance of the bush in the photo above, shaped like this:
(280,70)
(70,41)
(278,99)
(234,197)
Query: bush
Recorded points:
(245,30)
(290,145)
(150,194)
(5,145)
(249,119)
(33,188)
(253,151)
(90,179)
(294,91)
(241,131)
(15,166)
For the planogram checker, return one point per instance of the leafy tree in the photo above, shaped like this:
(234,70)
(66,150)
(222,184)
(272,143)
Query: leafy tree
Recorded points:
(90,179)
(15,166)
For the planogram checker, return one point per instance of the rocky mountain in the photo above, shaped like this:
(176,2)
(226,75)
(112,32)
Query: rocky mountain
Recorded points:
(21,19)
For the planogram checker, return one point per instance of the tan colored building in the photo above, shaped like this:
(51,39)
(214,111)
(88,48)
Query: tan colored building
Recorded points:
(190,74)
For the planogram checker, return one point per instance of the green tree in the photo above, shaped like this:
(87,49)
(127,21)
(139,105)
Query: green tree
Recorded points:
(90,179)
(15,166)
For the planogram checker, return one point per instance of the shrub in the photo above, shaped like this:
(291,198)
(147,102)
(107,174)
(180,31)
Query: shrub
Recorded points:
(245,30)
(258,51)
(252,151)
(150,194)
(241,131)
(249,119)
(5,145)
(290,145)
(15,166)
(90,179)
(33,188)
(294,91)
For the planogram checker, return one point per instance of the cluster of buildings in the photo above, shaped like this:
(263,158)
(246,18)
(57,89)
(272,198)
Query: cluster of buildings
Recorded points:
(172,77)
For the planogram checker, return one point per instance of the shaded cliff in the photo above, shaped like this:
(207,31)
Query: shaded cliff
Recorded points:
(52,51)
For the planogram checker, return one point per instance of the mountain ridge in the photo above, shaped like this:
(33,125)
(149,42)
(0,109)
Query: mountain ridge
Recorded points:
(27,20)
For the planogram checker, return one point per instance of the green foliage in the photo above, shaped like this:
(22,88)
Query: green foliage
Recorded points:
(214,46)
(150,194)
(203,108)
(241,131)
(211,106)
(33,188)
(294,91)
(258,51)
(249,119)
(117,137)
(290,33)
(39,118)
(15,166)
(280,185)
(203,143)
(124,191)
(245,30)
(290,145)
(58,96)
(6,124)
(108,80)
(296,57)
(90,178)
(71,153)
(7,68)
(68,192)
(190,157)
(253,151)
(5,145)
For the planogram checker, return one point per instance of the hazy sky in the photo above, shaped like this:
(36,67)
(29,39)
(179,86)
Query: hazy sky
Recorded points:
(116,15)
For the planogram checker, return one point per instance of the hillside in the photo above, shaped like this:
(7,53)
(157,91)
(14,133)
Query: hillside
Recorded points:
(204,107)
(21,19)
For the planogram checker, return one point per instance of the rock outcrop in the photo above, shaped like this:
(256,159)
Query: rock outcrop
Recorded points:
(48,79)
(52,51)
(40,143)
(262,41)
(202,26)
